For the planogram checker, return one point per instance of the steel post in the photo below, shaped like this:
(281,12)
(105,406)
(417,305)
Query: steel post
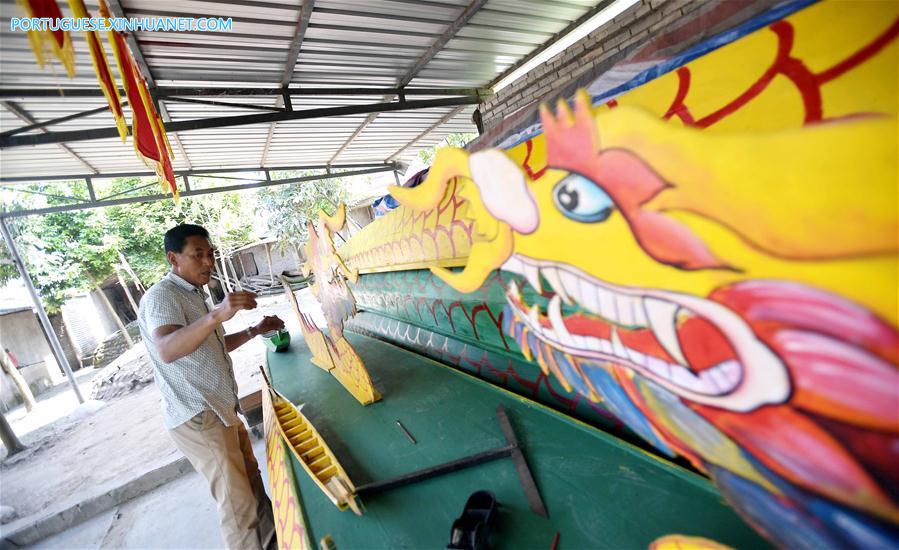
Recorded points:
(41,313)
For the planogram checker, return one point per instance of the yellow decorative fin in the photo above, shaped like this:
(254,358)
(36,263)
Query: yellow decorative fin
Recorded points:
(336,221)
(450,163)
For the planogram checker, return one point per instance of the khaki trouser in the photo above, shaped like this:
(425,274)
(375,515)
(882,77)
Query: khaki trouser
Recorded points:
(224,456)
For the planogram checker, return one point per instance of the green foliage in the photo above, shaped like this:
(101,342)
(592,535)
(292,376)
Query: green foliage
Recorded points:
(228,217)
(141,227)
(290,206)
(63,251)
(452,140)
(8,270)
(69,251)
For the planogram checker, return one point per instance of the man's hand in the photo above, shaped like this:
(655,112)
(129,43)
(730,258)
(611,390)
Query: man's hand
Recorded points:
(269,323)
(233,303)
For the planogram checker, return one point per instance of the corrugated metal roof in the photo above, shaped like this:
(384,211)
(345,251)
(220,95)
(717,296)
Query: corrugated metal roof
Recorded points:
(348,44)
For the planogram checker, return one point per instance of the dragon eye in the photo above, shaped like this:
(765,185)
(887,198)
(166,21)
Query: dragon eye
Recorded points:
(582,200)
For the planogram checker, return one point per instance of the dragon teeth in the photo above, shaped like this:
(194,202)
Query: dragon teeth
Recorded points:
(617,346)
(533,276)
(514,290)
(513,265)
(626,308)
(554,311)
(663,320)
(534,316)
(552,275)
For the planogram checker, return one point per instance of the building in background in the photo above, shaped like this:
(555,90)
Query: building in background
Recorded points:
(21,334)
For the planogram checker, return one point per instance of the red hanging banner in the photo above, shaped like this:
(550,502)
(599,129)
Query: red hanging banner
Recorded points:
(150,141)
(57,42)
(101,68)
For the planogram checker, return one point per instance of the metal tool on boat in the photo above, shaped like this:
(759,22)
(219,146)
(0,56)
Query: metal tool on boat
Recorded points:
(405,431)
(511,449)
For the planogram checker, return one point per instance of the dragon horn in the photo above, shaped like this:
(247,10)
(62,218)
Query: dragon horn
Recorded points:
(452,162)
(335,222)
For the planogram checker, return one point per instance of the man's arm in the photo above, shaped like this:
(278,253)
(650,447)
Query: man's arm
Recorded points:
(237,339)
(175,341)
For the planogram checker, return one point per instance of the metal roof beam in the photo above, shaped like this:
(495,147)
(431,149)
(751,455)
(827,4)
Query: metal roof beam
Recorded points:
(192,192)
(555,38)
(297,42)
(223,104)
(115,8)
(191,172)
(368,120)
(221,122)
(165,93)
(166,118)
(422,61)
(51,195)
(430,129)
(289,66)
(23,115)
(59,120)
(442,41)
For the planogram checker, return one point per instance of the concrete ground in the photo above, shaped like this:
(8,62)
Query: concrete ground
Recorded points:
(52,405)
(84,462)
(179,514)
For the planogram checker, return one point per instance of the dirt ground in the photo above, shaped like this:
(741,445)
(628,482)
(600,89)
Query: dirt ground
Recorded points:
(75,450)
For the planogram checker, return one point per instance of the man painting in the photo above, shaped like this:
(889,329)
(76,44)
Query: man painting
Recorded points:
(189,351)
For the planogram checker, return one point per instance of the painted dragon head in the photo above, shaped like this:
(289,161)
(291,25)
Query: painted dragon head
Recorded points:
(738,272)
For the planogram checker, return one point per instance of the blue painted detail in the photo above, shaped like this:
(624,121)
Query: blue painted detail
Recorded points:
(519,328)
(859,531)
(778,519)
(582,200)
(532,343)
(623,407)
(570,374)
(705,47)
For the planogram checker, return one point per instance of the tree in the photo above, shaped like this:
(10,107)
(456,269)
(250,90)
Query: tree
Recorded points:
(65,251)
(76,250)
(9,439)
(229,218)
(140,228)
(8,269)
(10,369)
(290,206)
(61,250)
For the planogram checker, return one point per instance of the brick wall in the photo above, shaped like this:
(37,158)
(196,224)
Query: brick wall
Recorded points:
(649,20)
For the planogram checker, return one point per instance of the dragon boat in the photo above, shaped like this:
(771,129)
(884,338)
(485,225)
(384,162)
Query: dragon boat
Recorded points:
(665,283)
(312,452)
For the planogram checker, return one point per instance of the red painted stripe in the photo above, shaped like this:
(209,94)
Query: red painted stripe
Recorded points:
(527,163)
(862,55)
(784,32)
(809,88)
(677,106)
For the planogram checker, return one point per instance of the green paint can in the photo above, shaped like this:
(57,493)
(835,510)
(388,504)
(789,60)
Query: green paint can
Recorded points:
(276,340)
